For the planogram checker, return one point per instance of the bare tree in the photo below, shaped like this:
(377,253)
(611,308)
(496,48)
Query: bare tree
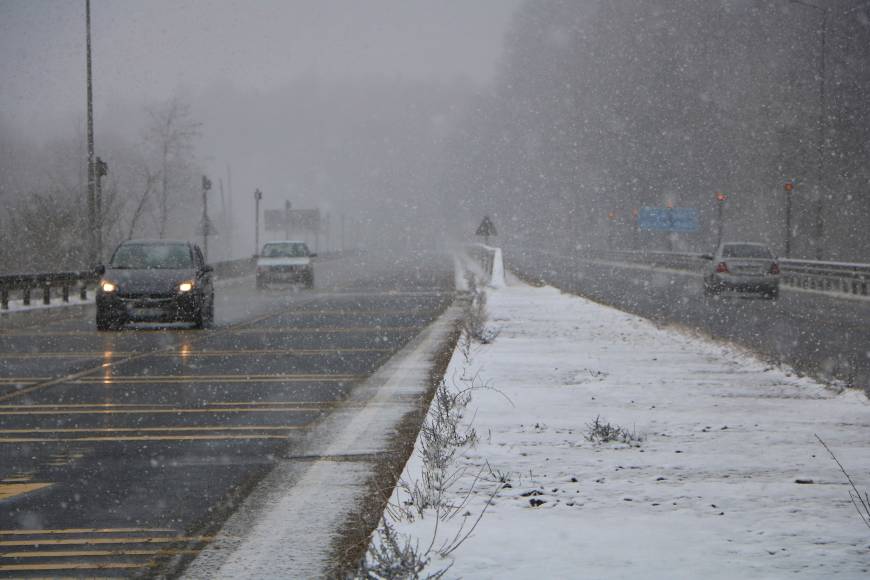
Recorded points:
(170,134)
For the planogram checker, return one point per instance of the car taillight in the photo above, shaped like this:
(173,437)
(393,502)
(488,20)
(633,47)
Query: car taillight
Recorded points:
(774,268)
(721,268)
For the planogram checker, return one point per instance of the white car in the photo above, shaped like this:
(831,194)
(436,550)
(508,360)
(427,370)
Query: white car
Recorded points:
(287,261)
(742,267)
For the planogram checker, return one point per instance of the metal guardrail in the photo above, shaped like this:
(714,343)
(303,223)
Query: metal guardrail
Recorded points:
(844,277)
(45,282)
(62,283)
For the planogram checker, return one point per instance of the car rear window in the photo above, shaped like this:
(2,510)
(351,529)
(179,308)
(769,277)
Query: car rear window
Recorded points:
(152,256)
(745,251)
(288,250)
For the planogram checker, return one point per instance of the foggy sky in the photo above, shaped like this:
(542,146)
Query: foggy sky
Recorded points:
(145,51)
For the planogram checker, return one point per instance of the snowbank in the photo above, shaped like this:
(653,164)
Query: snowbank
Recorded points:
(721,475)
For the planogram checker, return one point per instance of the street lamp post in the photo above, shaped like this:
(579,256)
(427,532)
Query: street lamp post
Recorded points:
(721,198)
(258,195)
(101,169)
(92,174)
(788,186)
(206,224)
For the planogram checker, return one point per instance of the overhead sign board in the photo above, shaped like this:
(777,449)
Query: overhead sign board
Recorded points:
(277,220)
(668,219)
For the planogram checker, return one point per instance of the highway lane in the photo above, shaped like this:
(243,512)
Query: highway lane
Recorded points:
(121,451)
(818,333)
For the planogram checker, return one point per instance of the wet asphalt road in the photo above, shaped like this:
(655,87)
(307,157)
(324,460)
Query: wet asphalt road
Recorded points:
(118,450)
(825,335)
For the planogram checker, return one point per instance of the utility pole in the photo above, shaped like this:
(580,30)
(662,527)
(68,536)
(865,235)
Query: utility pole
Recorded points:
(206,226)
(92,177)
(258,195)
(788,186)
(228,219)
(721,198)
(101,169)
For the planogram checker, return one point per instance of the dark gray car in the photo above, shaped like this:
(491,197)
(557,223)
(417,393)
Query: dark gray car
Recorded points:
(742,267)
(155,281)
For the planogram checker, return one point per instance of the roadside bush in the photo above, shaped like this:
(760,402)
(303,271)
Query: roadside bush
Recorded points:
(599,431)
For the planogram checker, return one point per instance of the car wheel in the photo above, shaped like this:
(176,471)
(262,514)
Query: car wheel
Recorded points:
(106,322)
(309,281)
(200,316)
(772,294)
(260,283)
(210,319)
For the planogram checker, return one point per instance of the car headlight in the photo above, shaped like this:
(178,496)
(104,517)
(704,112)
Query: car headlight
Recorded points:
(107,286)
(185,286)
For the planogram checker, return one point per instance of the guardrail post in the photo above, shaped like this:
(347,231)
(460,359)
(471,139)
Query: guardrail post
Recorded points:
(4,299)
(46,294)
(26,296)
(65,293)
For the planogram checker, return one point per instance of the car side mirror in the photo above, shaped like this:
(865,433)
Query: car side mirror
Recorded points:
(100,269)
(706,256)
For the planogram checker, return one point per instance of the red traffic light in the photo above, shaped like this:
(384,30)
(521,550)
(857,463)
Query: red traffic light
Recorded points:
(721,196)
(788,185)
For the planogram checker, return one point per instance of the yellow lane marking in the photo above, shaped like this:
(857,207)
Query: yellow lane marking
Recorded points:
(70,566)
(83,531)
(10,490)
(155,429)
(95,541)
(154,379)
(19,440)
(21,380)
(242,328)
(71,354)
(92,553)
(316,330)
(163,411)
(188,354)
(200,336)
(153,405)
(357,312)
(130,438)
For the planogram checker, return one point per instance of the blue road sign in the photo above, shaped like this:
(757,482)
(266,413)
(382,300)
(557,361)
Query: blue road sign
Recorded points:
(666,219)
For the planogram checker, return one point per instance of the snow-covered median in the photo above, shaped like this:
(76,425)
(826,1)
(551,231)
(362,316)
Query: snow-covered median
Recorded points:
(719,474)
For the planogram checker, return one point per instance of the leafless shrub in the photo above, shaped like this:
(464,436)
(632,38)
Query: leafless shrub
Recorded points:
(599,431)
(441,435)
(861,502)
(395,557)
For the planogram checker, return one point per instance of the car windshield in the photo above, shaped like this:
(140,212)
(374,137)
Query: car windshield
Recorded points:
(285,250)
(745,251)
(152,256)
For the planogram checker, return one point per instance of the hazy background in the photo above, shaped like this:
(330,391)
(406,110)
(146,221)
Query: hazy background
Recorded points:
(407,121)
(330,104)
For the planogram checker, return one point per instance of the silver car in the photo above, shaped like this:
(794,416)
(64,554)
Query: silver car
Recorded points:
(742,267)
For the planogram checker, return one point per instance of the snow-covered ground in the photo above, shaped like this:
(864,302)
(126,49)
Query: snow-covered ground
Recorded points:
(726,481)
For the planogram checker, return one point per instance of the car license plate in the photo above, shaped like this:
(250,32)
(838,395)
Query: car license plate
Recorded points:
(145,312)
